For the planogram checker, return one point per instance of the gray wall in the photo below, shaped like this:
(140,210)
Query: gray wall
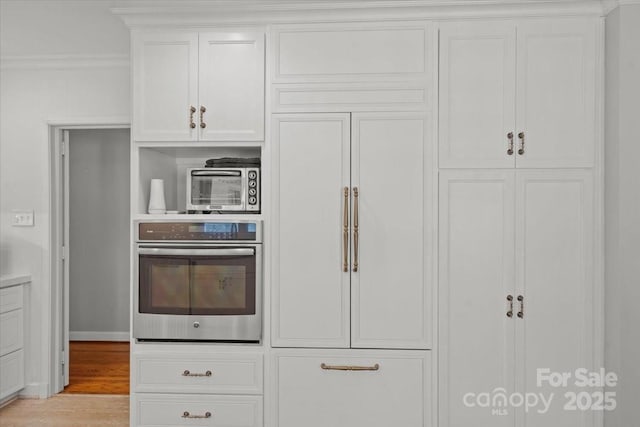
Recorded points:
(99,234)
(622,211)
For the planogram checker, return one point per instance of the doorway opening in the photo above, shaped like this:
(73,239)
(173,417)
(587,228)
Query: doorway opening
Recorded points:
(91,233)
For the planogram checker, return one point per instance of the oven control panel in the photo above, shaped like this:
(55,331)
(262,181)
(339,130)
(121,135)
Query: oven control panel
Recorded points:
(205,230)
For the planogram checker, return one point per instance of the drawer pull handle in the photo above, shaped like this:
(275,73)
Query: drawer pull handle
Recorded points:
(188,373)
(349,368)
(186,414)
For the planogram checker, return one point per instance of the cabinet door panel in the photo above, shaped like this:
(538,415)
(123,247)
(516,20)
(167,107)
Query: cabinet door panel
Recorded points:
(476,275)
(397,394)
(390,300)
(477,94)
(555,276)
(165,85)
(556,93)
(310,288)
(231,84)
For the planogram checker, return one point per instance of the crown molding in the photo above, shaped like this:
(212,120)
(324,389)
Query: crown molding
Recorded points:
(63,61)
(203,13)
(609,6)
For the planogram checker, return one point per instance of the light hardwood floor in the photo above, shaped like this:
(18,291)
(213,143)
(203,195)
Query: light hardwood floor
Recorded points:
(97,394)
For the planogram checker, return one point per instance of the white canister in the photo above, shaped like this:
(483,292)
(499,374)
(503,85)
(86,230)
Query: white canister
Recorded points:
(157,204)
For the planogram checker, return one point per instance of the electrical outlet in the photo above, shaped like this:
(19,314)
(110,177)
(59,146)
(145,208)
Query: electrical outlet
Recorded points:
(22,218)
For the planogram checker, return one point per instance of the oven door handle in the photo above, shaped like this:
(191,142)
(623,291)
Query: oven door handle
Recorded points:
(198,252)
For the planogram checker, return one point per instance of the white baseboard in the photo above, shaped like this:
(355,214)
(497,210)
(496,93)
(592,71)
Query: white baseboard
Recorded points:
(98,336)
(35,391)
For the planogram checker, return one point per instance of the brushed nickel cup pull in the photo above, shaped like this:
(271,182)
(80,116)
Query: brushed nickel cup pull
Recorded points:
(202,111)
(356,235)
(349,367)
(521,150)
(510,312)
(186,414)
(188,373)
(521,312)
(192,111)
(510,138)
(345,231)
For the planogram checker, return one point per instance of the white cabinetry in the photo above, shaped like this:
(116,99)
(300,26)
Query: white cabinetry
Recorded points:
(11,340)
(518,93)
(196,385)
(352,200)
(341,388)
(205,86)
(516,290)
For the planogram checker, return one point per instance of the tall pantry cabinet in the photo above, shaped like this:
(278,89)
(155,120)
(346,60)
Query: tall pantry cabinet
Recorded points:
(517,216)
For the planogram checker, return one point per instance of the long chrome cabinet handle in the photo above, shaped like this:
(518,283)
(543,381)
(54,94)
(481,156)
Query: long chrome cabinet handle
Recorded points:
(521,312)
(188,373)
(186,414)
(202,111)
(355,229)
(521,150)
(510,138)
(349,367)
(192,111)
(345,231)
(510,300)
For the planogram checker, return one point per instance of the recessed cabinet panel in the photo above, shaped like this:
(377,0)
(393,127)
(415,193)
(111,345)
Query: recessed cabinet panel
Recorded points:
(477,94)
(477,328)
(310,287)
(354,52)
(165,86)
(389,289)
(556,93)
(231,86)
(555,276)
(391,389)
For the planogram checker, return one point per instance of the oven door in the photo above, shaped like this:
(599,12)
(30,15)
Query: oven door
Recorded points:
(198,293)
(216,190)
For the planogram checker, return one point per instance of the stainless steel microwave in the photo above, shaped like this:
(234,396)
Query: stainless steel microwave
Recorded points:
(216,189)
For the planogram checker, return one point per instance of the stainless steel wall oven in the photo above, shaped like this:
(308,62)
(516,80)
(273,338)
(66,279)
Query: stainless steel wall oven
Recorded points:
(198,281)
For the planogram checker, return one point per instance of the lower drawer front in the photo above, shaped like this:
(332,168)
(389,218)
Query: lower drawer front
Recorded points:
(11,373)
(11,331)
(372,389)
(197,410)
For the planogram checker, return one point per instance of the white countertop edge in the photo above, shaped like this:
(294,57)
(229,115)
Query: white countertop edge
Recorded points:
(12,280)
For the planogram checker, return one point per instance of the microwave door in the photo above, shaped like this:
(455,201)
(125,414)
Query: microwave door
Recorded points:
(217,190)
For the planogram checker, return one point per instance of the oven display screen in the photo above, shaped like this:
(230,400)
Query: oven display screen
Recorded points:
(198,231)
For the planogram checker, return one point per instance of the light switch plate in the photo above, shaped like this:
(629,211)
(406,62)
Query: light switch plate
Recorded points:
(22,218)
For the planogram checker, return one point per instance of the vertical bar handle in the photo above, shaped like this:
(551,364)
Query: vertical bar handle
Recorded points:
(203,109)
(521,150)
(345,231)
(510,138)
(510,300)
(192,111)
(521,312)
(355,229)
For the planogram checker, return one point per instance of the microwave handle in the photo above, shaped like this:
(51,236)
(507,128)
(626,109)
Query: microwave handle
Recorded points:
(197,252)
(216,173)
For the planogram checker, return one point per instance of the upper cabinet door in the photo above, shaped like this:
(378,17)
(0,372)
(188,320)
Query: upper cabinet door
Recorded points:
(477,94)
(165,85)
(231,104)
(392,189)
(310,277)
(556,93)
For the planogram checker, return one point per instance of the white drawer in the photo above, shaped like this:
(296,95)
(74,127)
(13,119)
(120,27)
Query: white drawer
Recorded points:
(11,331)
(178,410)
(396,393)
(11,298)
(11,373)
(192,373)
